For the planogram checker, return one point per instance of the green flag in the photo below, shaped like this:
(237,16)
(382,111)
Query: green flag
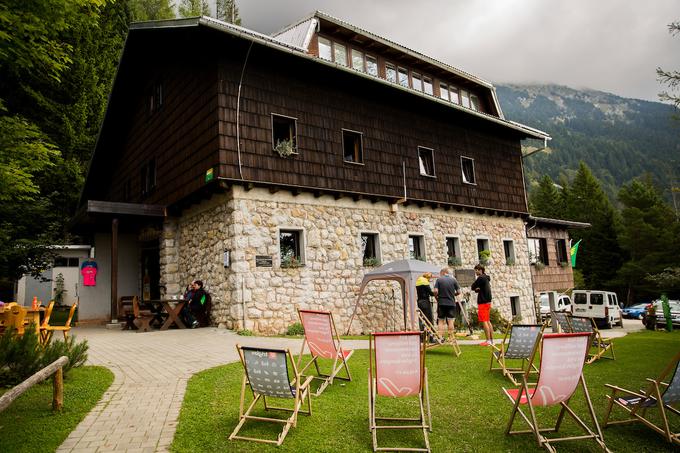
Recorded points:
(574,249)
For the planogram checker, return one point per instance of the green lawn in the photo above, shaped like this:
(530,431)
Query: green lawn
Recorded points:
(29,425)
(469,410)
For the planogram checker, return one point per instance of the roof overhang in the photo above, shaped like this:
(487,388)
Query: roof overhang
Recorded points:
(545,221)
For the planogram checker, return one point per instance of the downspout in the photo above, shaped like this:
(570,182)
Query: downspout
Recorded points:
(238,111)
(537,310)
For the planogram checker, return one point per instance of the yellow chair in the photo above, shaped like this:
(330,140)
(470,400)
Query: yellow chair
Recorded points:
(46,330)
(45,324)
(14,317)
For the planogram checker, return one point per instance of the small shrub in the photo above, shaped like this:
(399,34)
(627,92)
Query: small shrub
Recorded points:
(371,262)
(245,333)
(290,262)
(295,329)
(497,321)
(539,266)
(510,262)
(484,257)
(76,352)
(454,261)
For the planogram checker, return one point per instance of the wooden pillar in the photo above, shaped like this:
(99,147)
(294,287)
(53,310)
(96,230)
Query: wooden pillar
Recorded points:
(114,270)
(58,390)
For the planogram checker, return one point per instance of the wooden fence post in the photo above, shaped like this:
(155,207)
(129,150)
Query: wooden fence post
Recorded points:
(53,368)
(58,387)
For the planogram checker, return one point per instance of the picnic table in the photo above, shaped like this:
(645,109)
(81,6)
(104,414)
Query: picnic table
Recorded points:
(172,307)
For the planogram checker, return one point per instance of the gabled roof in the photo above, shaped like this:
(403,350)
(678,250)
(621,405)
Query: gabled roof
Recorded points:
(294,45)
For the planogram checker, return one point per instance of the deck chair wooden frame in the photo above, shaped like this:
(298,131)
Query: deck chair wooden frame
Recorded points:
(636,404)
(46,330)
(323,342)
(390,354)
(562,359)
(521,346)
(584,324)
(258,363)
(562,320)
(431,332)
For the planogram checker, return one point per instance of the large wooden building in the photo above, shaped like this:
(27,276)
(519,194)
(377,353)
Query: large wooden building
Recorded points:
(278,169)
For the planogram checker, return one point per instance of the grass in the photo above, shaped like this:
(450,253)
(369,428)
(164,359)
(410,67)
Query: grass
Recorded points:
(469,410)
(29,425)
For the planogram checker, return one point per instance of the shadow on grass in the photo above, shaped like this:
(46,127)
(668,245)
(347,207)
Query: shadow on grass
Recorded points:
(469,410)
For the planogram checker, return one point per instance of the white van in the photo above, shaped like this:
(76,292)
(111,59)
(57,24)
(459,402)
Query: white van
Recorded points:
(562,303)
(602,306)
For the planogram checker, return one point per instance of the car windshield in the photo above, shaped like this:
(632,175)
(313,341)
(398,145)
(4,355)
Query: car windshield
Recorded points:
(545,302)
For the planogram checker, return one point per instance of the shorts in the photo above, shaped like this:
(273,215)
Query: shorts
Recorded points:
(447,311)
(483,311)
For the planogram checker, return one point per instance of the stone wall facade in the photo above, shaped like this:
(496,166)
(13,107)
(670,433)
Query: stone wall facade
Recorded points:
(264,299)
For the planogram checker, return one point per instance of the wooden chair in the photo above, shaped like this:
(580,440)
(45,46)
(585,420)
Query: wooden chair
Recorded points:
(126,312)
(601,345)
(636,404)
(397,370)
(266,374)
(524,339)
(46,330)
(563,356)
(323,342)
(44,338)
(143,318)
(14,317)
(432,333)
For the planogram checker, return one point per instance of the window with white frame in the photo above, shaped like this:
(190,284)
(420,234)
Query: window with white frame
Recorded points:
(464,98)
(325,48)
(509,251)
(416,247)
(426,161)
(340,53)
(370,249)
(454,94)
(474,102)
(453,251)
(467,166)
(291,247)
(403,77)
(444,91)
(357,60)
(390,72)
(352,147)
(427,86)
(417,81)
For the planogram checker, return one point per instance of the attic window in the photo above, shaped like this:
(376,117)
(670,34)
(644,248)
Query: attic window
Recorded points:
(357,60)
(352,147)
(474,102)
(427,86)
(454,95)
(391,72)
(372,65)
(465,98)
(468,169)
(340,54)
(417,81)
(444,91)
(325,50)
(284,132)
(403,77)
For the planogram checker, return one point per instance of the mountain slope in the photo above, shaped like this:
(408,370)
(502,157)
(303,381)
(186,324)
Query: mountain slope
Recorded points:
(618,138)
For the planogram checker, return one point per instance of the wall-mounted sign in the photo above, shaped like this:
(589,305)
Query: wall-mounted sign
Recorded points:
(263,261)
(225,258)
(465,277)
(209,175)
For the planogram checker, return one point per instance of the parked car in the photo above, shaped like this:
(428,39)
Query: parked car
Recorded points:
(636,311)
(562,303)
(602,306)
(654,315)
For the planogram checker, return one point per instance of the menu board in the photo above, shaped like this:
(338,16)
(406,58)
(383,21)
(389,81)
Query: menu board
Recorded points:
(465,277)
(581,325)
(319,334)
(397,360)
(562,362)
(522,341)
(267,372)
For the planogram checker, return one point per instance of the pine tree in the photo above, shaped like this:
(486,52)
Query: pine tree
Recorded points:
(599,255)
(546,200)
(227,11)
(670,78)
(193,8)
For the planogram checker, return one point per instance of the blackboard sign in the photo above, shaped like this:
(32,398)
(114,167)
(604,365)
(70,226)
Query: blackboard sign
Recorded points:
(263,261)
(465,277)
(522,341)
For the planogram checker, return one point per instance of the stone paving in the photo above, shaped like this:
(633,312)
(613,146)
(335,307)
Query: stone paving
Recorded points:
(139,412)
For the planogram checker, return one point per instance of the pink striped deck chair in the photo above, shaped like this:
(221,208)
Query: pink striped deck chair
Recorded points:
(323,342)
(560,373)
(397,370)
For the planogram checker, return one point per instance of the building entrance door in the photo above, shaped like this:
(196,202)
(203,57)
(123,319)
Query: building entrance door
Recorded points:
(151,271)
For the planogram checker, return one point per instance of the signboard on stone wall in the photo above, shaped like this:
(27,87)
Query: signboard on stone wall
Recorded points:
(465,277)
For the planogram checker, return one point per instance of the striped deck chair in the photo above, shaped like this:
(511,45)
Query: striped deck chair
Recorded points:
(432,333)
(266,373)
(636,404)
(524,339)
(601,345)
(561,321)
(321,337)
(397,370)
(561,371)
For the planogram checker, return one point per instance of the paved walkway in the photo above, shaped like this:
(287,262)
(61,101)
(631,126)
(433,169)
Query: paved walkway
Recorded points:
(139,412)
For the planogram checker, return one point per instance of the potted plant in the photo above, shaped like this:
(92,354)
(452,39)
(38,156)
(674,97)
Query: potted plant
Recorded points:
(371,262)
(454,261)
(290,262)
(539,265)
(285,148)
(485,257)
(510,262)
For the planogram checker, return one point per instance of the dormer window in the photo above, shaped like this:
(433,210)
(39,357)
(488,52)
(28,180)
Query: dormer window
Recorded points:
(417,81)
(454,95)
(403,77)
(444,91)
(464,98)
(427,86)
(372,65)
(391,72)
(340,54)
(357,60)
(474,102)
(325,49)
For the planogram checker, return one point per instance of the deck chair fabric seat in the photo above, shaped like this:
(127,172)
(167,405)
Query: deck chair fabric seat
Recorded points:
(560,374)
(524,338)
(323,342)
(267,376)
(581,324)
(636,404)
(432,333)
(397,370)
(561,321)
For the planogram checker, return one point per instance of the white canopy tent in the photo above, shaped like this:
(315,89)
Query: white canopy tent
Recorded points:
(406,272)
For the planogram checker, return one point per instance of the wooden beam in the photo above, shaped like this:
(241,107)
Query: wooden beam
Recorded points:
(114,270)
(273,189)
(110,207)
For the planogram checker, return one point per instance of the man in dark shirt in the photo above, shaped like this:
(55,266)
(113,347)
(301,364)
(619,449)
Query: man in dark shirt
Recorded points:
(446,289)
(482,286)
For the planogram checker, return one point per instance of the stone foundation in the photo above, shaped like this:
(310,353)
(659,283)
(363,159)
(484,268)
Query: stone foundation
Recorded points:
(264,299)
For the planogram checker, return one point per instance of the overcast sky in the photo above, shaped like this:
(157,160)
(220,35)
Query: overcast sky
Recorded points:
(607,45)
